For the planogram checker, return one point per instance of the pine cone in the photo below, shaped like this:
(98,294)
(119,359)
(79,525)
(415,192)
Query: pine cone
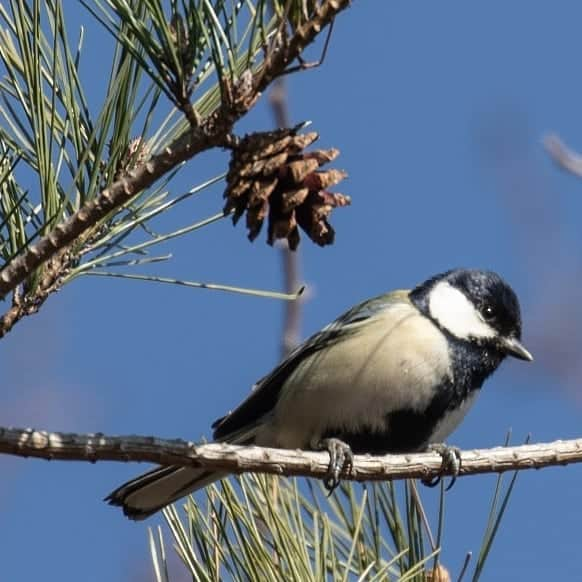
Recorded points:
(271,176)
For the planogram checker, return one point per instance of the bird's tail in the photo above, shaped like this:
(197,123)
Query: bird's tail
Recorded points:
(150,492)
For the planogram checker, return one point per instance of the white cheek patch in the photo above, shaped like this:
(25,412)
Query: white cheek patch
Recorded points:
(451,308)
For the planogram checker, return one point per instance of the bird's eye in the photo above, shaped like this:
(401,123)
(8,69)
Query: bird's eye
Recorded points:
(488,312)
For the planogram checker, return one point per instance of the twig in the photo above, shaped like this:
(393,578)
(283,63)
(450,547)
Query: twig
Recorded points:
(291,332)
(237,459)
(276,63)
(290,259)
(566,158)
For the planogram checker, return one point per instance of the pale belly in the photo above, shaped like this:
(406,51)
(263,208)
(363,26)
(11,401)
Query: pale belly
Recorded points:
(452,419)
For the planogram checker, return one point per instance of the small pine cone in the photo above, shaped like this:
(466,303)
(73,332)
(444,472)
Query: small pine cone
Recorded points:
(271,176)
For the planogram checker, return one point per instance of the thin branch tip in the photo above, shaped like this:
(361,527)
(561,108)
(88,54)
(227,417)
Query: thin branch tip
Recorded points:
(563,156)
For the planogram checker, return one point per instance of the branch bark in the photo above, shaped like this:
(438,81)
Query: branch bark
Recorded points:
(290,259)
(212,131)
(237,459)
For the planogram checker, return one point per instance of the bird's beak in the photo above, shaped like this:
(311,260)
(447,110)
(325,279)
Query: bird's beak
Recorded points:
(513,347)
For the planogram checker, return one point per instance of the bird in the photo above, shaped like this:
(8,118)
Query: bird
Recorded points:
(394,374)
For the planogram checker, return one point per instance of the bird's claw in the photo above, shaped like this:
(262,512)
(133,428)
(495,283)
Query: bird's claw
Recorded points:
(451,462)
(341,459)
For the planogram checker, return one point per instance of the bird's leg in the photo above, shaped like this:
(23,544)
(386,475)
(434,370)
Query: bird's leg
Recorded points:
(451,457)
(341,459)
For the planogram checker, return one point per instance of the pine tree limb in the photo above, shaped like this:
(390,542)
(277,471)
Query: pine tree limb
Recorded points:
(213,131)
(237,459)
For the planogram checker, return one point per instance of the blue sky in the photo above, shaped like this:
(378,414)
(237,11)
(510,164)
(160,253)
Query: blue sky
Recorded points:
(439,110)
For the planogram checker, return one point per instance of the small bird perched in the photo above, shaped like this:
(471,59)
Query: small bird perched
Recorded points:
(394,374)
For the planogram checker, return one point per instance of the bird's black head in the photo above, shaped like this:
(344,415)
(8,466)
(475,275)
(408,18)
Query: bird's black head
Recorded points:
(474,306)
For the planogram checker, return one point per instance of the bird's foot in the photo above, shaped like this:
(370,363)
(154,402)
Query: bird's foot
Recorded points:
(451,457)
(341,459)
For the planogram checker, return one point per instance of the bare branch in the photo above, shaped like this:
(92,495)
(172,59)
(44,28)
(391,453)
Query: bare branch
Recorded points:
(289,258)
(237,459)
(564,157)
(213,131)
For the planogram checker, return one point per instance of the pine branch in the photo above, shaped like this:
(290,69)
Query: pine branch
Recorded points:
(211,132)
(237,459)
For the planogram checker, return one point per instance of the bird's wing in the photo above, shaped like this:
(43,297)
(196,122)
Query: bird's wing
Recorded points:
(239,424)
